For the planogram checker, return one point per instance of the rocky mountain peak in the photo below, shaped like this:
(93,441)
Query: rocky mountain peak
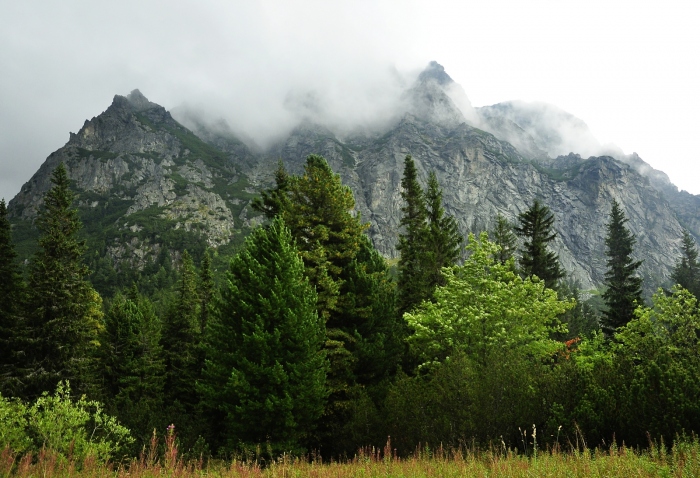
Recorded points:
(435,71)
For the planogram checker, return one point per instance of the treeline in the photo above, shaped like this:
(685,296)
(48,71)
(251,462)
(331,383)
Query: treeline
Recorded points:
(309,343)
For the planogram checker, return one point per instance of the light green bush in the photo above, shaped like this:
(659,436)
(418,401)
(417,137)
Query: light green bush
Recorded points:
(70,428)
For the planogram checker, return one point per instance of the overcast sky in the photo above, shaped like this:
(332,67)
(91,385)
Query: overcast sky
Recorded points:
(630,70)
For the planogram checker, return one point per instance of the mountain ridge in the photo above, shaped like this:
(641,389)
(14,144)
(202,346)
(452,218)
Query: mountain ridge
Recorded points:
(159,185)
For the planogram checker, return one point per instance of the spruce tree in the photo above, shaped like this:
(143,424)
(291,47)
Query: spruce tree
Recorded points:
(686,273)
(266,371)
(624,288)
(503,236)
(443,240)
(64,310)
(412,285)
(12,325)
(535,227)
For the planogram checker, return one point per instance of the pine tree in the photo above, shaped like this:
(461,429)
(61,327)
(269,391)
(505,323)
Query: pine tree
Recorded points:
(443,240)
(624,288)
(536,226)
(12,326)
(64,310)
(265,370)
(504,237)
(412,286)
(686,273)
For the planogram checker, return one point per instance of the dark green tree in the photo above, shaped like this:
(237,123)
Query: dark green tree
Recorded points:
(624,287)
(412,285)
(536,227)
(12,326)
(687,270)
(503,236)
(132,364)
(64,310)
(443,242)
(266,370)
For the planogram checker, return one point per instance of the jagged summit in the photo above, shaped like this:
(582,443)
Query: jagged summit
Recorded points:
(140,102)
(437,72)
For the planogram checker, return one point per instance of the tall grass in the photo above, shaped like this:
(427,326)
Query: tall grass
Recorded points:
(683,459)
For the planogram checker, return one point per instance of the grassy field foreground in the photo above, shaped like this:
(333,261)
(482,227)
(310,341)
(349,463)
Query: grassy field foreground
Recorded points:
(683,460)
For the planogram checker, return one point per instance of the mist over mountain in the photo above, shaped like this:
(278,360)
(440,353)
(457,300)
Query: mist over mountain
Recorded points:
(148,180)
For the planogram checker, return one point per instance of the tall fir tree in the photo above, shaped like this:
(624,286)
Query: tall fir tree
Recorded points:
(504,237)
(412,285)
(64,310)
(624,287)
(352,283)
(181,342)
(266,370)
(686,273)
(13,338)
(536,227)
(443,241)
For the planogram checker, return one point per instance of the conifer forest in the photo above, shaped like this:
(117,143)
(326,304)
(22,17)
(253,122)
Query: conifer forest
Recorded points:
(307,342)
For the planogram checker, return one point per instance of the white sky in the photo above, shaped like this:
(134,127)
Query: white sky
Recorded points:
(630,70)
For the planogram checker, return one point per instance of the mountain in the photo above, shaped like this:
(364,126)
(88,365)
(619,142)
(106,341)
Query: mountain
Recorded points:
(146,183)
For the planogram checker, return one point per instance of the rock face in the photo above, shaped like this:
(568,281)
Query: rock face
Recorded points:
(141,177)
(137,173)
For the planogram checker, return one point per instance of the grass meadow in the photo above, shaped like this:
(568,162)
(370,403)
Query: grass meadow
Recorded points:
(680,460)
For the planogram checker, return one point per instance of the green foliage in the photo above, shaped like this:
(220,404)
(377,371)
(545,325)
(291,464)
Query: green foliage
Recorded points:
(536,260)
(624,288)
(64,310)
(73,429)
(265,371)
(687,270)
(660,350)
(484,306)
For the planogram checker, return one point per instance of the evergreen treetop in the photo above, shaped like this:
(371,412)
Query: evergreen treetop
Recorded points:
(624,287)
(686,273)
(536,227)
